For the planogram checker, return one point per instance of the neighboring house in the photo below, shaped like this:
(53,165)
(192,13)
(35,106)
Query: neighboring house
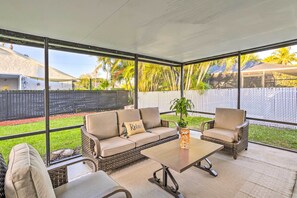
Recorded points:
(20,72)
(254,75)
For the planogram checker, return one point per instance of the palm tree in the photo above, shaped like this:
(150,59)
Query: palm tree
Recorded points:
(107,64)
(282,56)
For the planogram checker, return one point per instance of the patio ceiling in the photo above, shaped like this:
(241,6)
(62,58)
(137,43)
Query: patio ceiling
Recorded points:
(179,30)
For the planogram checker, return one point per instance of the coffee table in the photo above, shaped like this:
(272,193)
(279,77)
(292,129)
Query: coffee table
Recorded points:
(170,155)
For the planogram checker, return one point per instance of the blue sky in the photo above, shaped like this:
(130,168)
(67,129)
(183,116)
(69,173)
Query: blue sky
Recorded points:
(78,64)
(70,63)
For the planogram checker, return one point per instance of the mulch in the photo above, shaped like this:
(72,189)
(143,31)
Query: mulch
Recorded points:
(38,119)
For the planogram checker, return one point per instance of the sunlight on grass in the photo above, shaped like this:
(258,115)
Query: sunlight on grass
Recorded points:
(286,138)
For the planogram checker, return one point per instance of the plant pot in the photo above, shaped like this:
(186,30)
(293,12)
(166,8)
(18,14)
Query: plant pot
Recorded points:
(184,138)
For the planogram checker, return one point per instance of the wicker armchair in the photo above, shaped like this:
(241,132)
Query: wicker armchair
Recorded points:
(229,128)
(95,184)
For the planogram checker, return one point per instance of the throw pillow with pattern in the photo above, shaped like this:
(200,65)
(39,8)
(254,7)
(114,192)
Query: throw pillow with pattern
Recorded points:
(134,127)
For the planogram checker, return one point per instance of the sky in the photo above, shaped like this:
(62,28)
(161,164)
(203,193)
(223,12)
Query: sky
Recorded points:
(78,64)
(70,63)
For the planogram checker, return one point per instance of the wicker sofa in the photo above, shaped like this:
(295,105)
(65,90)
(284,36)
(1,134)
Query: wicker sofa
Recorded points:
(27,176)
(229,128)
(102,136)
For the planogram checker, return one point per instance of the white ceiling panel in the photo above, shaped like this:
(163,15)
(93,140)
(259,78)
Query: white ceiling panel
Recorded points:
(180,30)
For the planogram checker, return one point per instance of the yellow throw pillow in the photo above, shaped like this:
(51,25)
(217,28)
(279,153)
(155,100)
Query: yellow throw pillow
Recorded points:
(134,127)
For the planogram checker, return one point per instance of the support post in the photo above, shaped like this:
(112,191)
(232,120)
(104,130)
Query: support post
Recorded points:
(46,102)
(182,80)
(91,86)
(238,79)
(136,82)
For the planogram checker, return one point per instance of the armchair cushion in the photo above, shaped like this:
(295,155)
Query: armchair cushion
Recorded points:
(27,175)
(103,125)
(127,115)
(163,132)
(143,138)
(97,184)
(150,117)
(229,118)
(115,145)
(222,134)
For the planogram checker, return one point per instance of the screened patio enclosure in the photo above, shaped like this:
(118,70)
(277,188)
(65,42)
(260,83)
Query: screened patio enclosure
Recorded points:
(174,34)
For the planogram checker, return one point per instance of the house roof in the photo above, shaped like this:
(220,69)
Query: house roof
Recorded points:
(177,30)
(268,68)
(12,62)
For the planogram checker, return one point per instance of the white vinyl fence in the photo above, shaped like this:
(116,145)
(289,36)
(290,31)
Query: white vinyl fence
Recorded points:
(267,103)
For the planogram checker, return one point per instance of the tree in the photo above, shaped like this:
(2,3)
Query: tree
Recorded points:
(282,56)
(107,64)
(83,83)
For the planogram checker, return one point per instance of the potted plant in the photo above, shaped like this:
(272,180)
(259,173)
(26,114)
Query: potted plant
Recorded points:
(182,106)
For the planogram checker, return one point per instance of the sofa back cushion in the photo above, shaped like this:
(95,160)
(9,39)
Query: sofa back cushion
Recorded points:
(103,125)
(3,169)
(229,118)
(26,174)
(150,117)
(127,115)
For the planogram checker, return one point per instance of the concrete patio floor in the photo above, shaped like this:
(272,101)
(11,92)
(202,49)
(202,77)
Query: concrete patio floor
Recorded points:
(275,157)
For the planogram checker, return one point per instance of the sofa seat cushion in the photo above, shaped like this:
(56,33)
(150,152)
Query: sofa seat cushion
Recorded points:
(143,138)
(97,184)
(27,175)
(103,125)
(163,132)
(115,145)
(221,134)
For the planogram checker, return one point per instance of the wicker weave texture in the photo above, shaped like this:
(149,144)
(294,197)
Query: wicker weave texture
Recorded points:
(118,160)
(59,176)
(3,169)
(233,148)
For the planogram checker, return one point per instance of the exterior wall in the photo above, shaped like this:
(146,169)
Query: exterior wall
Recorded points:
(35,84)
(9,84)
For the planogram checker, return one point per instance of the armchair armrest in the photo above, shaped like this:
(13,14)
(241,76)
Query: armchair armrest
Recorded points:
(207,125)
(59,174)
(165,123)
(96,149)
(242,130)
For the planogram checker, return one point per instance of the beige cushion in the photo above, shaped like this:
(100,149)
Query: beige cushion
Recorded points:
(127,115)
(103,125)
(163,132)
(134,127)
(221,134)
(229,118)
(143,138)
(97,184)
(27,175)
(115,145)
(150,117)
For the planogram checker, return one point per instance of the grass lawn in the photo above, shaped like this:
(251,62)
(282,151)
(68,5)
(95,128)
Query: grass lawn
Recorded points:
(65,139)
(72,139)
(280,137)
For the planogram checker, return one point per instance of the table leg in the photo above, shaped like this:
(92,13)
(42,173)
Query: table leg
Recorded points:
(164,183)
(207,168)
